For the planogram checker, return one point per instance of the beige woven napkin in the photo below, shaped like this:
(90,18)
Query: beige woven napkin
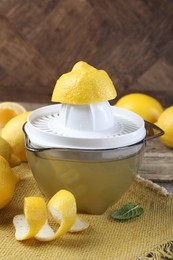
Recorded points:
(147,237)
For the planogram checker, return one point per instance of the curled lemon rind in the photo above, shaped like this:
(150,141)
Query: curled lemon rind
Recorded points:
(34,222)
(28,224)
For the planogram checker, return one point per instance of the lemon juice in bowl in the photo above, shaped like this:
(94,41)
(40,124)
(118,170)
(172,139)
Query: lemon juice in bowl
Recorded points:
(95,183)
(85,145)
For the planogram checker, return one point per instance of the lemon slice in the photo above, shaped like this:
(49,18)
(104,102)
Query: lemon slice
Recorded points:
(35,216)
(83,85)
(34,223)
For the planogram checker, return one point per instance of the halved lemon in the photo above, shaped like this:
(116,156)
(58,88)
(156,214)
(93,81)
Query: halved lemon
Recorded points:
(83,85)
(8,110)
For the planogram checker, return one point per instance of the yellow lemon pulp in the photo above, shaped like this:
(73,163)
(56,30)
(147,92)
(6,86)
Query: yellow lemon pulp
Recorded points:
(8,110)
(34,222)
(83,85)
(13,134)
(8,181)
(144,105)
(165,122)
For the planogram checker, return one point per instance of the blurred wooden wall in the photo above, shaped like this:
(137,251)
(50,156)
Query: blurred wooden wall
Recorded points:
(41,39)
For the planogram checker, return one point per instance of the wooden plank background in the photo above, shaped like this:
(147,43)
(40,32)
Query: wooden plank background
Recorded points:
(41,39)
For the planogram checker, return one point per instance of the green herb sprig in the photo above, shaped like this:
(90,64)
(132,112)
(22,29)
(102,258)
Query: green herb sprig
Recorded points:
(128,211)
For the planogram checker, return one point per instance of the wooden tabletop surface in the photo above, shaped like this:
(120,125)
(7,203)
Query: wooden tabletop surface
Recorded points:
(157,164)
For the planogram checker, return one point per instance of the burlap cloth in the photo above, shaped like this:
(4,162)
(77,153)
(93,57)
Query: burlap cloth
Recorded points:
(147,237)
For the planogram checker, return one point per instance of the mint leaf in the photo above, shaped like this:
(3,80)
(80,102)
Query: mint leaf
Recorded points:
(128,211)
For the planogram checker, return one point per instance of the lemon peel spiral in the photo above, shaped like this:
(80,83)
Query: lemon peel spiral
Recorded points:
(34,221)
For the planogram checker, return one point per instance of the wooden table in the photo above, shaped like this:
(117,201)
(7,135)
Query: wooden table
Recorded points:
(157,164)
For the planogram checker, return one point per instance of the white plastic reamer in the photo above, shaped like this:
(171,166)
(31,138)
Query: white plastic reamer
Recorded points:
(94,126)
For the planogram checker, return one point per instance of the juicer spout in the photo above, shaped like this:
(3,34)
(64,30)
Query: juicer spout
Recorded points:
(153,131)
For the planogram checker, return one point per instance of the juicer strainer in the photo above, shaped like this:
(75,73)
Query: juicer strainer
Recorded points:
(50,126)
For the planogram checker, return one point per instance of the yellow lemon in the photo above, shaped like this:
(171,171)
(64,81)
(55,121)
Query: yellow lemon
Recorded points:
(14,160)
(34,222)
(8,181)
(144,105)
(9,110)
(13,134)
(83,85)
(165,122)
(5,149)
(6,152)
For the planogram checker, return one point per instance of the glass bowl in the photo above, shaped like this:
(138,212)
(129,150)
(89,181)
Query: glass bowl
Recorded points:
(97,178)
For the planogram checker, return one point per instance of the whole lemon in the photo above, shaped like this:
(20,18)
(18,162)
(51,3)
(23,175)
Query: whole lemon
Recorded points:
(8,181)
(144,105)
(13,134)
(165,122)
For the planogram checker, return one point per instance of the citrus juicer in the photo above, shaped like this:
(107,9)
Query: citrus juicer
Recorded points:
(93,150)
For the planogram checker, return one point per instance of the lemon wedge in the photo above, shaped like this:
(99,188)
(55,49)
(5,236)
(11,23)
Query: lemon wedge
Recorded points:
(34,222)
(83,85)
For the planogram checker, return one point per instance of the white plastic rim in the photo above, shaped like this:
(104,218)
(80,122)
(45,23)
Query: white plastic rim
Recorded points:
(127,129)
